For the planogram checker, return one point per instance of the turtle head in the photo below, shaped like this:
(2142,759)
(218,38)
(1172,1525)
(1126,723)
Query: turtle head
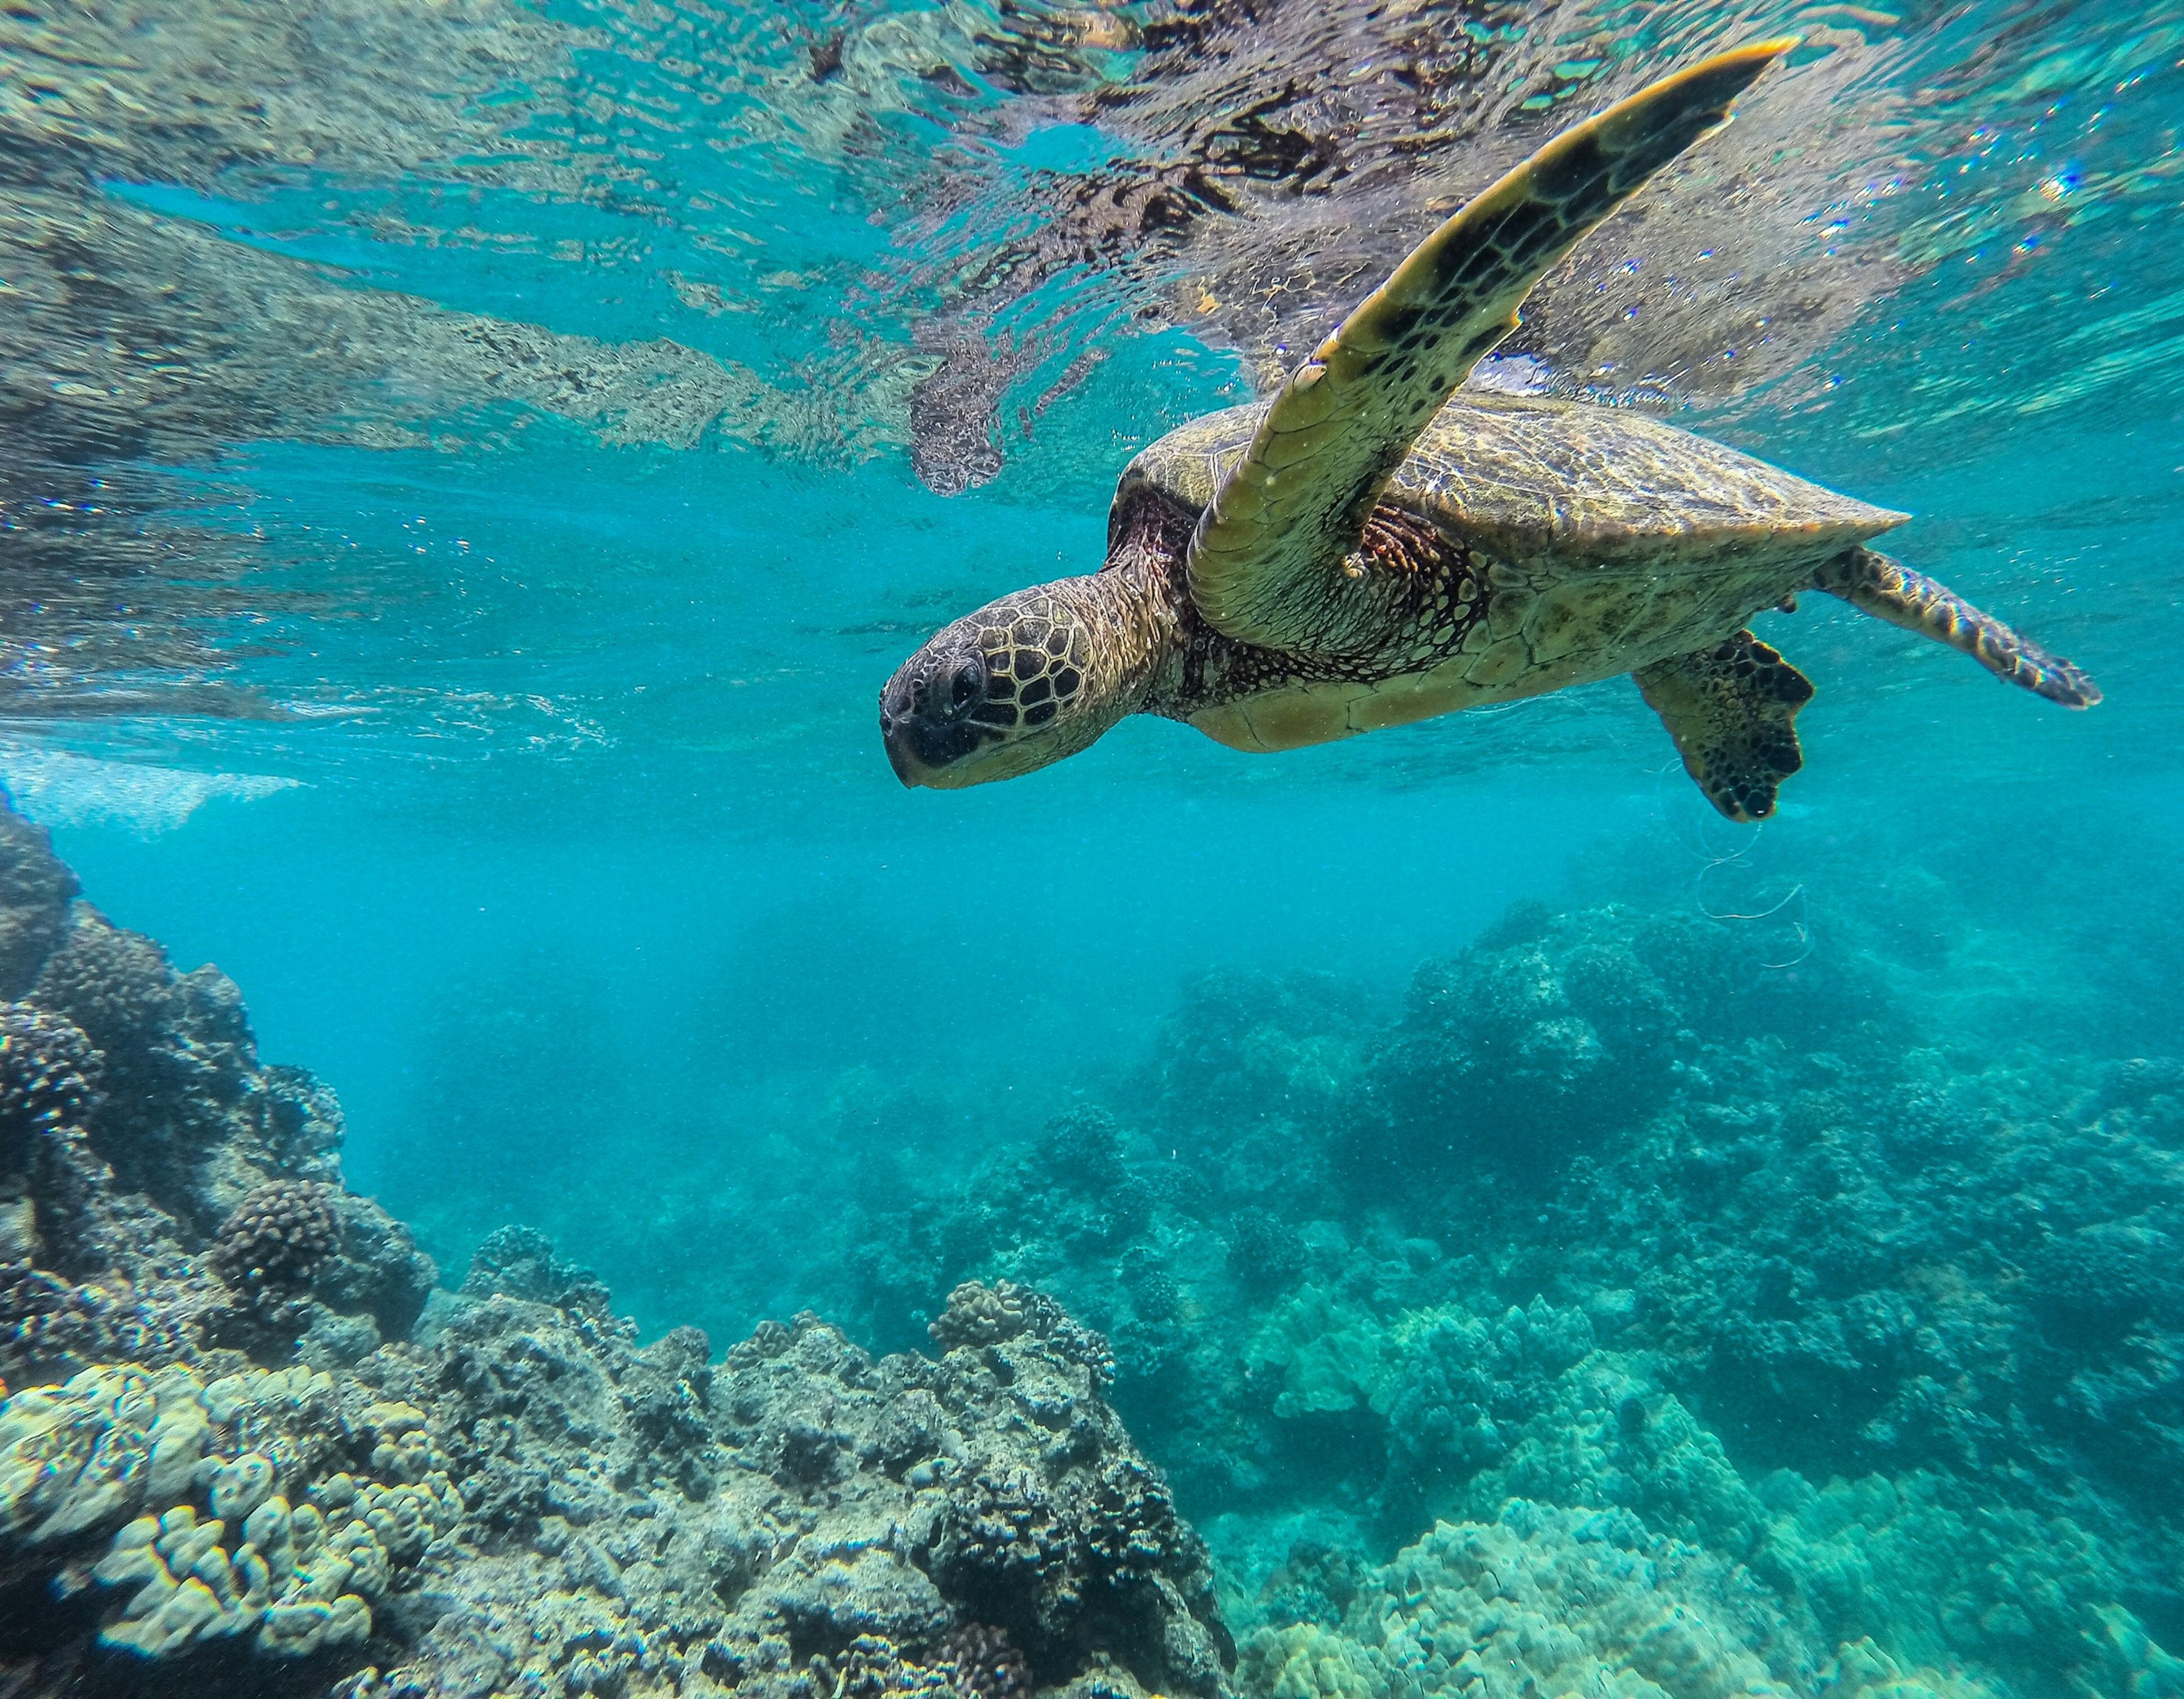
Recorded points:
(1021,683)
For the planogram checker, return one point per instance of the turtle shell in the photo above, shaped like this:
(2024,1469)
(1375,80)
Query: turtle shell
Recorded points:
(1539,482)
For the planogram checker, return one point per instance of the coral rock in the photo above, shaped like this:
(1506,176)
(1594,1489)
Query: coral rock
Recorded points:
(35,890)
(276,1239)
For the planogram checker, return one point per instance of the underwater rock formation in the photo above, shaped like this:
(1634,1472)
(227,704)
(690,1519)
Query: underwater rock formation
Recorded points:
(146,1155)
(1615,1215)
(241,1451)
(1542,1601)
(1608,1316)
(796,1516)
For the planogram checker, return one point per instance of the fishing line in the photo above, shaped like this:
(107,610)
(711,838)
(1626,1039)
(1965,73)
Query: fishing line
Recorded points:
(1711,860)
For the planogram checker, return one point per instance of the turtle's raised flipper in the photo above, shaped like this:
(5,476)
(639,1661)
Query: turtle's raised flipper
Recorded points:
(1733,710)
(1265,566)
(1889,590)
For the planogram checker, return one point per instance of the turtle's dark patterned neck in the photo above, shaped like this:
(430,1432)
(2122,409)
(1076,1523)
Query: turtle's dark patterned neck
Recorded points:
(1417,595)
(1411,596)
(1150,620)
(1186,664)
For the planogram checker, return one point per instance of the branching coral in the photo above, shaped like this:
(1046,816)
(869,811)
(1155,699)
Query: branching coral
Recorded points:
(114,983)
(49,1324)
(873,1666)
(984,1664)
(1263,1250)
(36,891)
(520,1261)
(1131,1530)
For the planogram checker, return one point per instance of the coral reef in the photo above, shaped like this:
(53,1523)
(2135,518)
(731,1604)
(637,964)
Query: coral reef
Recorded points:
(247,1442)
(520,1261)
(276,1239)
(48,1075)
(1539,1601)
(159,1186)
(984,1663)
(530,1503)
(799,1513)
(49,1326)
(1794,1265)
(1722,1337)
(114,1441)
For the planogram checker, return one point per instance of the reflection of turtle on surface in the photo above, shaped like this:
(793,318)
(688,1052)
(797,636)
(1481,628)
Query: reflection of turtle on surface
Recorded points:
(1364,551)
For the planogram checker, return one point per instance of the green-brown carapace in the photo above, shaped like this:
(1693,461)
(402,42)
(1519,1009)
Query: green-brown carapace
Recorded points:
(1377,544)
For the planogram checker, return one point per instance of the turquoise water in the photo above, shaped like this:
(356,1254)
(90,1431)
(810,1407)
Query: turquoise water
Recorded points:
(468,483)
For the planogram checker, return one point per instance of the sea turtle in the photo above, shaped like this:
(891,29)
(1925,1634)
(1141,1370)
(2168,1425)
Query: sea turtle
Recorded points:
(1376,544)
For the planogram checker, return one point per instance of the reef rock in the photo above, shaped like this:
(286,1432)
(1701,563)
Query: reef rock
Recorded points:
(797,1514)
(163,1192)
(244,1452)
(1542,1601)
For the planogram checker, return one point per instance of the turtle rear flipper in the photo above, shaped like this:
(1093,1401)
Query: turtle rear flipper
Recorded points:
(1889,590)
(1732,709)
(1265,566)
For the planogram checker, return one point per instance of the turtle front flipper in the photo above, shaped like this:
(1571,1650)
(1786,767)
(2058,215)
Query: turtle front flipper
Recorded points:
(1733,710)
(1265,566)
(1889,590)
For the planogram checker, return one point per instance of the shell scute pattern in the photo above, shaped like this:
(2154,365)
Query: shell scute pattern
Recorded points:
(1498,666)
(1550,481)
(1563,619)
(1540,495)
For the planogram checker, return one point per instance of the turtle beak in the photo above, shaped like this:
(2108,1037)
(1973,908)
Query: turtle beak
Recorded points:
(925,732)
(893,734)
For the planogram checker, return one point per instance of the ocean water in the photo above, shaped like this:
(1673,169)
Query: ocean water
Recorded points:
(471,468)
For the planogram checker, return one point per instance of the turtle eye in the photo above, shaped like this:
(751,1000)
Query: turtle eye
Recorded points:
(965,687)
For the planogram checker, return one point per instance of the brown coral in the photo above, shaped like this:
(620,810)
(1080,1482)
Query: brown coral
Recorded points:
(1131,1530)
(276,1237)
(49,1326)
(984,1663)
(872,1667)
(979,1315)
(48,1077)
(114,983)
(1004,1525)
